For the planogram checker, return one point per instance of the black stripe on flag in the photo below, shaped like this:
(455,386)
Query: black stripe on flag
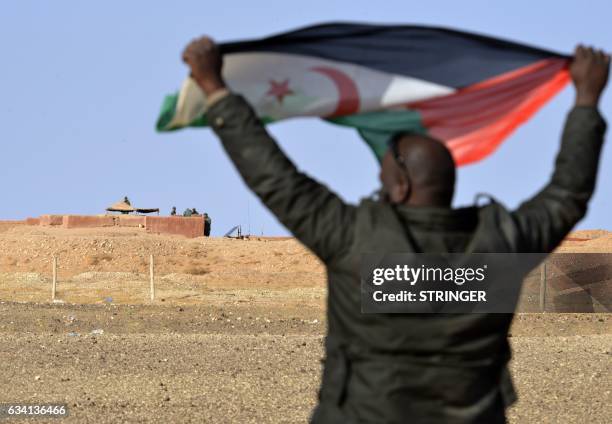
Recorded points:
(440,55)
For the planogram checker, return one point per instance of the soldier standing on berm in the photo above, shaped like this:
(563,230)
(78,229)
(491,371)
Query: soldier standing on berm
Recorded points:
(394,368)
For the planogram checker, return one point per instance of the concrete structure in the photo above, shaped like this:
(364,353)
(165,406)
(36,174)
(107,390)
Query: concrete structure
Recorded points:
(86,221)
(49,220)
(178,225)
(130,221)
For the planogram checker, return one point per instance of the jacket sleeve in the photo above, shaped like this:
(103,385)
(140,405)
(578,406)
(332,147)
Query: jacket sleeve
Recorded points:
(313,213)
(545,219)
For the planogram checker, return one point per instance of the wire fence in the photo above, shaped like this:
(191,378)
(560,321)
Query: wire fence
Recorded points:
(113,283)
(563,283)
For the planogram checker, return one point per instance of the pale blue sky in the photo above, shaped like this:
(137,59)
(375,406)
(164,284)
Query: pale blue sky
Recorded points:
(82,83)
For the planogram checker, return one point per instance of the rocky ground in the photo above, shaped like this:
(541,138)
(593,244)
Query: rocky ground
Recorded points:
(234,336)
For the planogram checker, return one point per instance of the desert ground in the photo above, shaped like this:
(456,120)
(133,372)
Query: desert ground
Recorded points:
(234,334)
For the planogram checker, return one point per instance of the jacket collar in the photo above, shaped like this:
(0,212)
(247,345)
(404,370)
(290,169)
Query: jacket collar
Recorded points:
(437,218)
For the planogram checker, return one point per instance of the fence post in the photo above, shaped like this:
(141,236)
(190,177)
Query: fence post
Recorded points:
(151,277)
(54,283)
(543,287)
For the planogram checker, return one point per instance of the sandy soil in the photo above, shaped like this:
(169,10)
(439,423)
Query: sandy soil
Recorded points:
(234,335)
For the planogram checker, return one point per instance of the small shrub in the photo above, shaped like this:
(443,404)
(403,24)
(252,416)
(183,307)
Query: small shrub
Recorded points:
(96,259)
(196,270)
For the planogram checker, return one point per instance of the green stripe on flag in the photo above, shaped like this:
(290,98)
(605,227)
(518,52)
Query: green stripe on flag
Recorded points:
(167,112)
(377,128)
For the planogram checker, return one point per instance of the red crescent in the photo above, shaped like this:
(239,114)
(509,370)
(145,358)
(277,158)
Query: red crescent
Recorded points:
(348,102)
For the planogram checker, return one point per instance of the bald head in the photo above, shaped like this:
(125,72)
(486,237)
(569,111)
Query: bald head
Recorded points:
(425,175)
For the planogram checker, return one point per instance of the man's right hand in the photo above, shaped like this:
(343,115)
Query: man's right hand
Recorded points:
(589,71)
(203,57)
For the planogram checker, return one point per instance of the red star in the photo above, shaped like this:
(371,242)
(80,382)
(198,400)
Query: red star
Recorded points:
(279,90)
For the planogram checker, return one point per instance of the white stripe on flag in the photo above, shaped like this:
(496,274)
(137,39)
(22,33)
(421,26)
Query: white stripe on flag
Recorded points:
(281,85)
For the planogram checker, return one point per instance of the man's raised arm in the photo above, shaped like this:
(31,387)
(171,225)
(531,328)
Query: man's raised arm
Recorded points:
(546,219)
(314,214)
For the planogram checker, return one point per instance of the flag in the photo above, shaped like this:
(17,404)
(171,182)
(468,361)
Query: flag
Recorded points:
(470,91)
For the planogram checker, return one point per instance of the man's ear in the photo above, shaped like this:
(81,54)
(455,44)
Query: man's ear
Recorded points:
(400,191)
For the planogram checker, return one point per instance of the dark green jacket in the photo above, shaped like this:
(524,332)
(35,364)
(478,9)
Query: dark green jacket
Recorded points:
(389,368)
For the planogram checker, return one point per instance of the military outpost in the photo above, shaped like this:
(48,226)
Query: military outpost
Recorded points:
(123,214)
